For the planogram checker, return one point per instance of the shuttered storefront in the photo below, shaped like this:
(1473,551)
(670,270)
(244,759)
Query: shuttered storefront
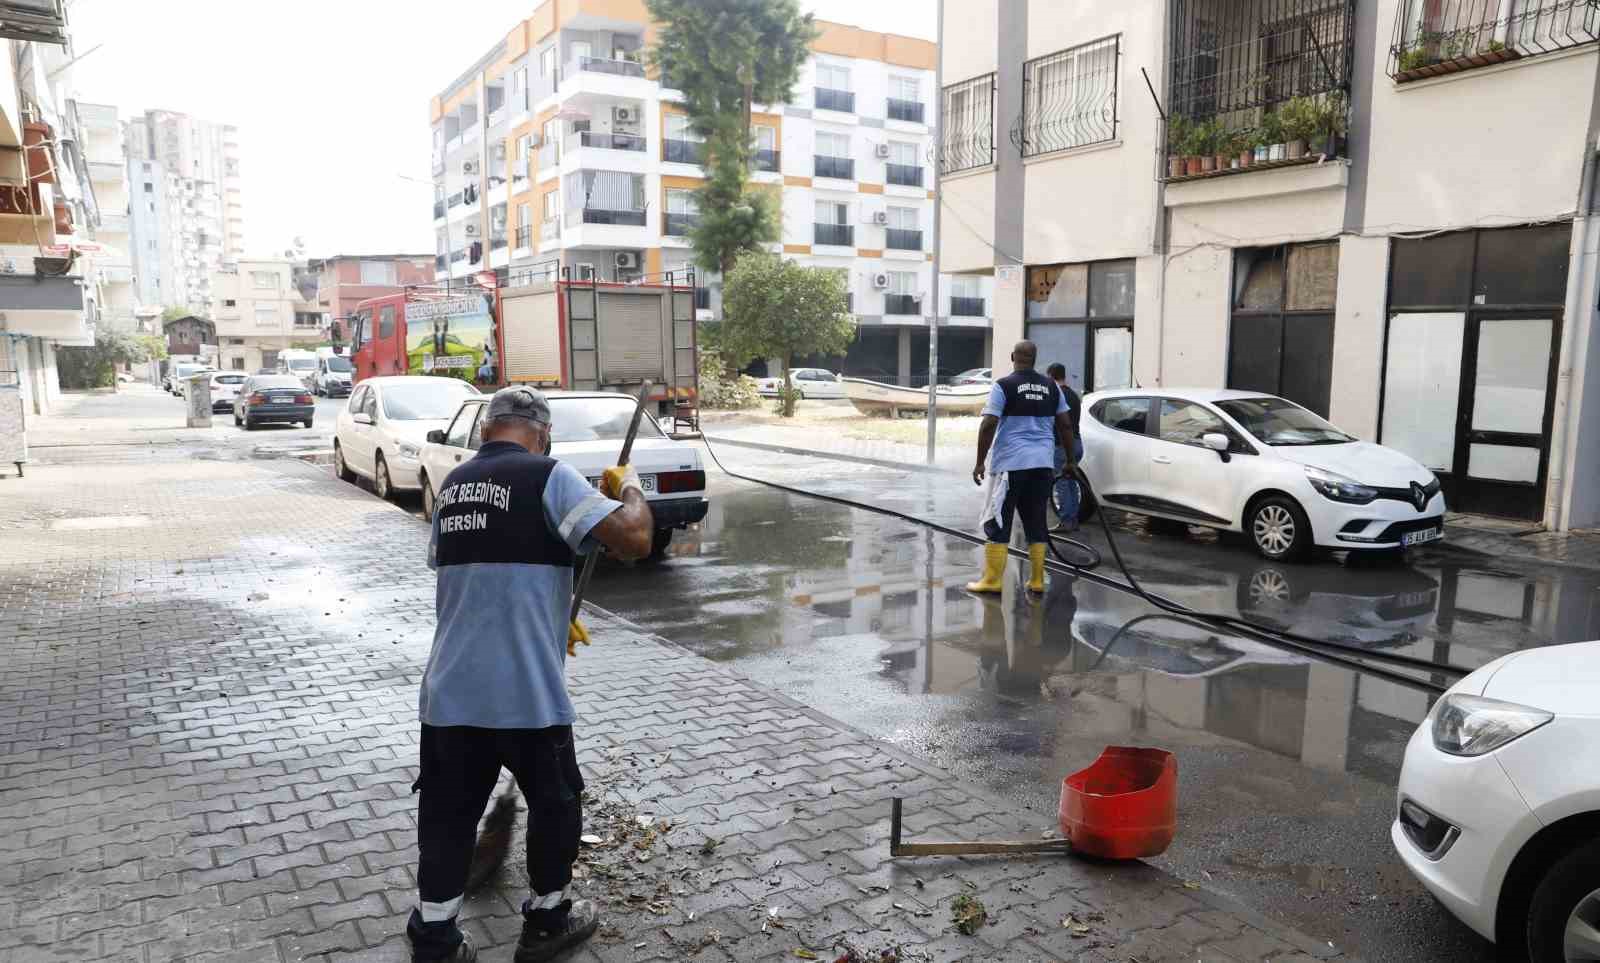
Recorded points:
(532,341)
(630,338)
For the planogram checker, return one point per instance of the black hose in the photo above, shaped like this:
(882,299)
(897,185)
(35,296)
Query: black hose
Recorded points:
(1328,651)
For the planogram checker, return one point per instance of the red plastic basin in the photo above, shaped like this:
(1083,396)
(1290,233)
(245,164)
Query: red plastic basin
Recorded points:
(1124,806)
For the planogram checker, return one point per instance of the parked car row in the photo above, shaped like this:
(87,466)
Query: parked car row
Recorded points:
(407,433)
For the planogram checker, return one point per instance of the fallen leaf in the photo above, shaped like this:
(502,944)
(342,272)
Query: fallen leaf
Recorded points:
(805,954)
(968,914)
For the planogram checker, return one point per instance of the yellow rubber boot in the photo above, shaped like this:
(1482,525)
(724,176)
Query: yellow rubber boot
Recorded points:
(994,570)
(1036,568)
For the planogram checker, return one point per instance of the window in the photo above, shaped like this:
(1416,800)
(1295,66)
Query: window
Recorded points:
(547,62)
(903,282)
(266,315)
(966,296)
(1070,98)
(907,89)
(475,436)
(456,436)
(968,136)
(833,88)
(1124,414)
(680,201)
(766,137)
(833,77)
(903,219)
(237,364)
(519,89)
(378,272)
(1186,423)
(1081,315)
(1442,36)
(149,188)
(1281,325)
(833,224)
(552,205)
(679,128)
(833,212)
(265,280)
(229,302)
(832,145)
(386,321)
(904,154)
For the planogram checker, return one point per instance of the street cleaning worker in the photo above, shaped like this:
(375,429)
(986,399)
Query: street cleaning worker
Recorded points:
(1066,489)
(1024,419)
(507,527)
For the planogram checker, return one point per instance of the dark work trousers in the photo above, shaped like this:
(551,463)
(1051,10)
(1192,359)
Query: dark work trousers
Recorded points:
(460,765)
(1027,495)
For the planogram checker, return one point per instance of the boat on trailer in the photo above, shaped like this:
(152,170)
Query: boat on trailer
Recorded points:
(877,398)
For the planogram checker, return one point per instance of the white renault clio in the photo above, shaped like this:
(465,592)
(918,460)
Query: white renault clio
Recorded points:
(1247,462)
(1499,802)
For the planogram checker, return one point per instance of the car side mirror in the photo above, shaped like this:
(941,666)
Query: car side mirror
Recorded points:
(361,418)
(1217,442)
(436,436)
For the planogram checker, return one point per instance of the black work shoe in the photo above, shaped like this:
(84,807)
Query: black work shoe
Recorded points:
(465,953)
(538,943)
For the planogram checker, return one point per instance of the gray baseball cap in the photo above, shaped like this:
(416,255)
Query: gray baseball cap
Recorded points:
(520,401)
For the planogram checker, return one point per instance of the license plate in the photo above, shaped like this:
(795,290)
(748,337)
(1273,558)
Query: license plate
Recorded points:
(1425,535)
(648,483)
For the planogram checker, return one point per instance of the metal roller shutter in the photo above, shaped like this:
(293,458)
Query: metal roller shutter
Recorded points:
(533,343)
(630,337)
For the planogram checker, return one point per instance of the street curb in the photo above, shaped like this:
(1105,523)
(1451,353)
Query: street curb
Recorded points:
(1321,949)
(858,459)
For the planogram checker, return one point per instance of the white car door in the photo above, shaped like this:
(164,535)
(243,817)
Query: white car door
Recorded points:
(442,458)
(364,437)
(827,385)
(1117,456)
(1186,477)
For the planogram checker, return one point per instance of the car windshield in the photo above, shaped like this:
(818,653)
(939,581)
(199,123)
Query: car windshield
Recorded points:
(301,364)
(1282,423)
(426,399)
(227,379)
(338,364)
(184,370)
(596,419)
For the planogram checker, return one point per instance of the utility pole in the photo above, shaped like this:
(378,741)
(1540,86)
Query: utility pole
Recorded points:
(938,205)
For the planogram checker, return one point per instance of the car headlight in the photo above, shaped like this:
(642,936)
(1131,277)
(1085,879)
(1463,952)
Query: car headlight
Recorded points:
(1469,725)
(1339,488)
(406,449)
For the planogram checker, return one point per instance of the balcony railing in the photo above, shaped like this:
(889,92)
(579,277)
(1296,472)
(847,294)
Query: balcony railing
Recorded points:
(1446,36)
(439,261)
(899,239)
(605,141)
(1069,98)
(683,151)
(438,208)
(497,242)
(902,304)
(967,135)
(765,160)
(906,175)
(843,168)
(966,307)
(595,215)
(524,237)
(909,110)
(603,65)
(679,225)
(458,255)
(702,299)
(839,235)
(840,100)
(455,199)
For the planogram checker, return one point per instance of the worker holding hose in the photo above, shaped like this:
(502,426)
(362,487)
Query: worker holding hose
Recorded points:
(507,527)
(1024,419)
(1066,492)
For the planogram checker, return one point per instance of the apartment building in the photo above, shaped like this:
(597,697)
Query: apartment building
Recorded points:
(345,280)
(101,144)
(260,312)
(559,150)
(186,213)
(1391,223)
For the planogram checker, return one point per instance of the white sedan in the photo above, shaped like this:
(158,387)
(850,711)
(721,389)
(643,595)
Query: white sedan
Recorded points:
(224,388)
(586,432)
(380,433)
(1499,802)
(1247,462)
(810,382)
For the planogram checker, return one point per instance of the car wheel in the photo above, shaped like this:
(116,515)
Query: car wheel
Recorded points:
(1278,528)
(339,467)
(427,498)
(1564,917)
(307,422)
(249,423)
(659,543)
(236,422)
(1166,526)
(380,478)
(1087,506)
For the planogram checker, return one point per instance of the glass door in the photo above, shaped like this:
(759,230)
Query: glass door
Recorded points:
(1502,436)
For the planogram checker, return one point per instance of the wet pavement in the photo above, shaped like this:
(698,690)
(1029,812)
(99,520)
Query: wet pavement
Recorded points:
(1287,765)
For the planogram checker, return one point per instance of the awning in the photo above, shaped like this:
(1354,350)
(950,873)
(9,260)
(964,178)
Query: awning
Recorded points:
(43,307)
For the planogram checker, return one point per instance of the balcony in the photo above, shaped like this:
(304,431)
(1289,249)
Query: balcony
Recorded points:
(907,110)
(765,160)
(458,255)
(1447,36)
(596,215)
(454,202)
(549,155)
(838,235)
(683,151)
(602,65)
(604,141)
(843,168)
(898,239)
(497,242)
(439,262)
(679,225)
(550,230)
(524,238)
(843,101)
(966,307)
(902,304)
(906,175)
(438,208)
(113,224)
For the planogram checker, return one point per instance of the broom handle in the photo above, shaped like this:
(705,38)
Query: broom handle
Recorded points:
(627,451)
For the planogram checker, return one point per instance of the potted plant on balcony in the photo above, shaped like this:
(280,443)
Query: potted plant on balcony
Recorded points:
(1177,141)
(1270,137)
(1226,147)
(1333,118)
(1302,121)
(1206,145)
(1193,146)
(1244,147)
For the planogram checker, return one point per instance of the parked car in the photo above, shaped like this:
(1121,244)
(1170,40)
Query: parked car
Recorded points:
(810,382)
(1247,462)
(224,388)
(181,372)
(1498,810)
(300,363)
(332,376)
(272,398)
(974,376)
(380,433)
(586,432)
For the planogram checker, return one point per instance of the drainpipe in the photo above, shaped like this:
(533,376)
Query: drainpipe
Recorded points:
(1578,320)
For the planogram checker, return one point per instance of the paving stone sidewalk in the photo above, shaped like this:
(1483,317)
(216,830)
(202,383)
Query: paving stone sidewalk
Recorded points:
(208,737)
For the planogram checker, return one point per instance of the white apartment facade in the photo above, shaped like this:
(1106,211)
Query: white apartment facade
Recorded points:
(101,143)
(558,151)
(260,312)
(1420,268)
(186,214)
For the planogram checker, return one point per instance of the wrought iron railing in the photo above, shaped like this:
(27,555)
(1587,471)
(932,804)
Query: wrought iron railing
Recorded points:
(679,225)
(906,175)
(683,151)
(1433,37)
(840,235)
(967,134)
(497,242)
(524,237)
(899,239)
(840,100)
(764,160)
(902,304)
(843,168)
(909,110)
(1069,98)
(966,307)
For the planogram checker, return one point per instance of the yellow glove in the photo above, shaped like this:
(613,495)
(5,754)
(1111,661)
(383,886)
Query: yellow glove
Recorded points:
(618,479)
(576,633)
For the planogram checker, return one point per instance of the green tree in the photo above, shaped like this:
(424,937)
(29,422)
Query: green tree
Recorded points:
(174,313)
(96,366)
(774,308)
(726,55)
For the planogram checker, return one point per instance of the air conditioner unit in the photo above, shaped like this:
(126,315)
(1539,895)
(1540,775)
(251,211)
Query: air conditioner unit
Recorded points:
(881,280)
(880,217)
(626,259)
(882,150)
(471,230)
(624,115)
(469,168)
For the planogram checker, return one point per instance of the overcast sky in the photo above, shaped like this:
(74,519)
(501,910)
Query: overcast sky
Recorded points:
(330,96)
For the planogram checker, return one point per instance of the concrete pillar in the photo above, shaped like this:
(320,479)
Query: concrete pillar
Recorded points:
(1358,334)
(903,366)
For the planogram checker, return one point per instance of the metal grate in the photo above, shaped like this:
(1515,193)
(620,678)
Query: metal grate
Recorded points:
(1069,98)
(1232,57)
(967,138)
(1433,37)
(905,175)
